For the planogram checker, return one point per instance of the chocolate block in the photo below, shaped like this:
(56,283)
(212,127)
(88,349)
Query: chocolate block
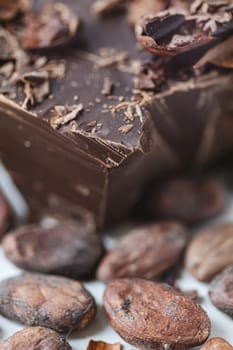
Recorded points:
(76,135)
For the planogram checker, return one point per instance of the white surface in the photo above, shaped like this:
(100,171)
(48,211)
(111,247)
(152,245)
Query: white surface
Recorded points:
(222,325)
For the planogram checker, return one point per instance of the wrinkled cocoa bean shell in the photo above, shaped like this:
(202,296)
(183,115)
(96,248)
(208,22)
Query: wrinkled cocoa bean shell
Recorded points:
(189,201)
(5,215)
(217,344)
(210,252)
(221,291)
(145,252)
(35,338)
(154,316)
(68,249)
(50,301)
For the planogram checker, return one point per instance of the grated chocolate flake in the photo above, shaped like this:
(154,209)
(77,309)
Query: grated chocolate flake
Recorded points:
(124,129)
(64,114)
(107,87)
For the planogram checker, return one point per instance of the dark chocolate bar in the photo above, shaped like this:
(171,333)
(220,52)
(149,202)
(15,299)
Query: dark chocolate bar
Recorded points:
(81,132)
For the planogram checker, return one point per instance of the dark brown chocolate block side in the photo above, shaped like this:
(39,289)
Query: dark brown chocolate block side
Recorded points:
(98,163)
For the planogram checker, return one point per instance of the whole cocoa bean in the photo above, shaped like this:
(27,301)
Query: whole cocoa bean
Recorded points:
(145,252)
(35,338)
(210,252)
(5,214)
(217,344)
(50,301)
(154,316)
(221,292)
(67,249)
(189,201)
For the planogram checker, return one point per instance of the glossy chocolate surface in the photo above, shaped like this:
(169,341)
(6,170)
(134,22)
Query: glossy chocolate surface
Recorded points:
(80,138)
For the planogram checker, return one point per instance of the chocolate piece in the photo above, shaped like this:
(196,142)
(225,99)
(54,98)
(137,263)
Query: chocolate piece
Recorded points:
(99,161)
(189,201)
(5,215)
(69,248)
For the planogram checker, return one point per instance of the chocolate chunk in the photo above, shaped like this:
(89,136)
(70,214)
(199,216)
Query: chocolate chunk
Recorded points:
(68,249)
(101,159)
(5,215)
(145,252)
(190,201)
(38,338)
(55,302)
(210,252)
(135,306)
(221,292)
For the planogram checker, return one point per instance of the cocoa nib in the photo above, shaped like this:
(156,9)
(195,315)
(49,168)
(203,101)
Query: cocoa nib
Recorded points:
(172,32)
(189,201)
(217,344)
(221,291)
(154,316)
(55,302)
(210,252)
(5,215)
(38,338)
(145,252)
(51,26)
(68,249)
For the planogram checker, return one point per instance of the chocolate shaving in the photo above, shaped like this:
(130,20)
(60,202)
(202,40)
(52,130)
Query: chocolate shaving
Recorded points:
(124,129)
(107,87)
(36,87)
(100,345)
(108,58)
(64,114)
(51,26)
